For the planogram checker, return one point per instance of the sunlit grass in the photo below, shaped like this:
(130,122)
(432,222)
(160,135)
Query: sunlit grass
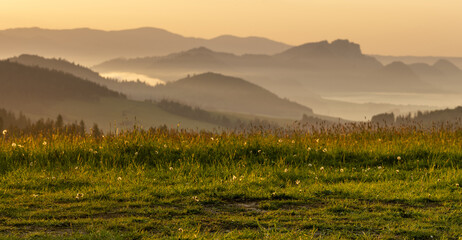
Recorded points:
(343,182)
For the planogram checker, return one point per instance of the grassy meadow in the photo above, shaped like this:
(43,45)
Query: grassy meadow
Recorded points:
(350,181)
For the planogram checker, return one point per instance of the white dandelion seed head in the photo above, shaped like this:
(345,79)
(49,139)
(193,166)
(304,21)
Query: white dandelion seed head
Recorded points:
(79,196)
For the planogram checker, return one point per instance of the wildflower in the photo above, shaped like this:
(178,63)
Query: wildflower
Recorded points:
(341,170)
(259,151)
(379,167)
(35,195)
(4,132)
(76,168)
(457,185)
(13,145)
(44,143)
(165,145)
(234,177)
(324,150)
(293,141)
(136,153)
(180,230)
(308,149)
(119,179)
(280,141)
(397,171)
(196,198)
(211,138)
(310,165)
(170,168)
(439,180)
(322,169)
(317,140)
(297,182)
(399,158)
(79,196)
(286,170)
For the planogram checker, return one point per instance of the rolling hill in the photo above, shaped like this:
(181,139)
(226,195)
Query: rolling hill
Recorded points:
(339,66)
(133,90)
(228,94)
(43,93)
(204,85)
(90,46)
(141,91)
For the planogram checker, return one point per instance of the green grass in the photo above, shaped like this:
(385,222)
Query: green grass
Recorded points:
(344,183)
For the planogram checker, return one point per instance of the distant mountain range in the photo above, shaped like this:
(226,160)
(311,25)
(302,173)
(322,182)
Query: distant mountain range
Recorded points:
(209,91)
(141,91)
(303,74)
(338,66)
(417,59)
(90,46)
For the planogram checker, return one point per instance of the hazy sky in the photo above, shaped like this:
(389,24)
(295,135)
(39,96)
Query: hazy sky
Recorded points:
(393,27)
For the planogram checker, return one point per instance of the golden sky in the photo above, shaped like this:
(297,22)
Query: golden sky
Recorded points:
(391,27)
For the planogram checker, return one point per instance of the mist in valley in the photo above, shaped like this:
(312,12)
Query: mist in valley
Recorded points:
(234,78)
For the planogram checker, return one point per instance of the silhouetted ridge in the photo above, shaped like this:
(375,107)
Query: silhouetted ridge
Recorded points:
(425,70)
(22,83)
(399,69)
(219,92)
(338,48)
(221,81)
(447,67)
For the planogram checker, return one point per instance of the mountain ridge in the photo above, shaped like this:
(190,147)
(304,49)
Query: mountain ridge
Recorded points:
(95,45)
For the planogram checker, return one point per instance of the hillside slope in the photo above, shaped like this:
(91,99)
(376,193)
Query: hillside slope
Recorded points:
(43,93)
(223,93)
(133,90)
